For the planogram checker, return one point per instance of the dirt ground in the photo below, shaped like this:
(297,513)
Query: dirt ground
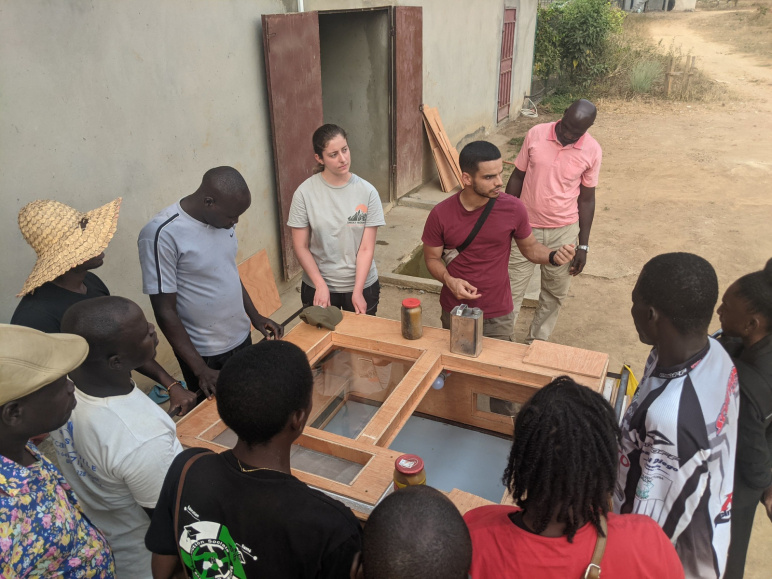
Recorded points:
(676,176)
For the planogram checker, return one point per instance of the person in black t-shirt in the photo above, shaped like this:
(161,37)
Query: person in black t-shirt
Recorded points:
(242,513)
(70,244)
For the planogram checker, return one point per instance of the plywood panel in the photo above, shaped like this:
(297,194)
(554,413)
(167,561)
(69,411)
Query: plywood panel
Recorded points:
(498,358)
(503,370)
(257,277)
(432,115)
(294,80)
(456,401)
(567,359)
(402,402)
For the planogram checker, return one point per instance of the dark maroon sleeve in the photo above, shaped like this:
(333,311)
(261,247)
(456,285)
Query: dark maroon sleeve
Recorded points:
(522,224)
(433,229)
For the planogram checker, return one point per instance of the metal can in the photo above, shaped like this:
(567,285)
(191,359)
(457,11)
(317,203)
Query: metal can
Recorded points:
(408,471)
(412,326)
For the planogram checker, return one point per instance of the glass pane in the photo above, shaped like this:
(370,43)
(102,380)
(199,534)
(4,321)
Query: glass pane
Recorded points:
(227,438)
(310,461)
(350,386)
(456,457)
(331,467)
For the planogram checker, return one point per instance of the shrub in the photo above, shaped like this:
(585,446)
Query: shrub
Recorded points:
(643,75)
(572,38)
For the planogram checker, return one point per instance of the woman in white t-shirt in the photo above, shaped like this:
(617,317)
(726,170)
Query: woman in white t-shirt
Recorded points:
(334,218)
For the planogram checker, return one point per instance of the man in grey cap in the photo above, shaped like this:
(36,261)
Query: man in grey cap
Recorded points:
(48,535)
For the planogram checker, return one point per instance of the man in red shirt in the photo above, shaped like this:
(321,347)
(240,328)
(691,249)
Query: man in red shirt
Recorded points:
(555,176)
(561,473)
(477,276)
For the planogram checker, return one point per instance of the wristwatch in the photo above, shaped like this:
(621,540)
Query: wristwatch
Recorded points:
(584,247)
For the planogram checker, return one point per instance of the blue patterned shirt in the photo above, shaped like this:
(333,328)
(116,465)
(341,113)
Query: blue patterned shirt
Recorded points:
(43,532)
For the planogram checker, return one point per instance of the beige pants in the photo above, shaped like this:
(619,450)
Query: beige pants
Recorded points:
(501,328)
(555,280)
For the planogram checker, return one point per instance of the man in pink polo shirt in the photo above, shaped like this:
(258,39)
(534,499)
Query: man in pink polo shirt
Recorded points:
(555,176)
(477,276)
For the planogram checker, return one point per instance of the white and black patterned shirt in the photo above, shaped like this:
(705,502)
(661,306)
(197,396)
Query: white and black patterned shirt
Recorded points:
(677,457)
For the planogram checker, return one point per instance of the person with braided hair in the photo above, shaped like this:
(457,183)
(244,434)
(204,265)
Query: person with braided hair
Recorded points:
(746,323)
(561,472)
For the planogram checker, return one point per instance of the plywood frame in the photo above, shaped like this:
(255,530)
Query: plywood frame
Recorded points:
(504,370)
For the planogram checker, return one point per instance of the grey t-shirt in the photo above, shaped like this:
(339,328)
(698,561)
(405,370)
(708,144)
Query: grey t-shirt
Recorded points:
(337,217)
(181,255)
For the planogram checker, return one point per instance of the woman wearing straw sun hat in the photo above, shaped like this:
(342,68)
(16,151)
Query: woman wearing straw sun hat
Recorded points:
(70,244)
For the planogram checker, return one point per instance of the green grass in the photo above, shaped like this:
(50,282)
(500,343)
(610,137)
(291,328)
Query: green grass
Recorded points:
(517,141)
(643,75)
(558,103)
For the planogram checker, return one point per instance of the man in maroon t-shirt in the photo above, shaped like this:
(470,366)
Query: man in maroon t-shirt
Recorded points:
(479,276)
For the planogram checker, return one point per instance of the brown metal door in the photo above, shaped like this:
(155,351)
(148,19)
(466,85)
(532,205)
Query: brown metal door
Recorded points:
(294,79)
(505,71)
(408,96)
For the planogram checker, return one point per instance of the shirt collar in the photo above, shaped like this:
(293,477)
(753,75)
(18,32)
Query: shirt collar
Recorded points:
(15,478)
(685,367)
(554,137)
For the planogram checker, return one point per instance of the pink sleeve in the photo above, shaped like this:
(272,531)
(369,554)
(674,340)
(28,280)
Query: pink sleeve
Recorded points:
(522,223)
(590,176)
(521,162)
(433,230)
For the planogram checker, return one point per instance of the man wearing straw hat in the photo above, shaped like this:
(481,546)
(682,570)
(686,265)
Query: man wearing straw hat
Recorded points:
(69,244)
(43,532)
(188,257)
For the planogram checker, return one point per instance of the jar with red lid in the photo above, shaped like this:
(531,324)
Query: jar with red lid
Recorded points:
(408,471)
(412,327)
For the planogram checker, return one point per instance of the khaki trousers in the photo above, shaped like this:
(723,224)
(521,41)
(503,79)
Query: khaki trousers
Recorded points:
(501,328)
(555,280)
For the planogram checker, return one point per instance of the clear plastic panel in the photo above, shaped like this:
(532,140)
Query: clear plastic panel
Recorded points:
(350,386)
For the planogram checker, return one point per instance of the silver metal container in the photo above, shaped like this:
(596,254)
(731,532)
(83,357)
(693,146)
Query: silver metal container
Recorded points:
(466,330)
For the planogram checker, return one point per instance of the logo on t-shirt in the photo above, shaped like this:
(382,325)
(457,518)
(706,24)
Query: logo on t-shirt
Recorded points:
(726,511)
(359,217)
(731,390)
(210,552)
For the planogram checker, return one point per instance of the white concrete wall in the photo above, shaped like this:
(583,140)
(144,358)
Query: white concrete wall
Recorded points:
(462,48)
(525,33)
(684,5)
(134,99)
(138,98)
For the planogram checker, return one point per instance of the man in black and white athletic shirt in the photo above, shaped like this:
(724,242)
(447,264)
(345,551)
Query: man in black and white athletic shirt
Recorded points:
(679,433)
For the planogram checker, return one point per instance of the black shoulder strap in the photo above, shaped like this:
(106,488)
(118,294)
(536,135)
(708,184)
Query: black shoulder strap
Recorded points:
(478,225)
(177,505)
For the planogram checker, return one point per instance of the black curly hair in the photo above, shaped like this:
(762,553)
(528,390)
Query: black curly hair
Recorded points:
(684,287)
(260,387)
(756,289)
(564,456)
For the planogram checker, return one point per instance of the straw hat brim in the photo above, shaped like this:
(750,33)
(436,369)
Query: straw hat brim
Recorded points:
(75,248)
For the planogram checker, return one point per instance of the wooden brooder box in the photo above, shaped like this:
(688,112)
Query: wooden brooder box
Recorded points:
(373,400)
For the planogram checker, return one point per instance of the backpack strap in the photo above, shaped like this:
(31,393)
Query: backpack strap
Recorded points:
(478,225)
(178,501)
(593,569)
